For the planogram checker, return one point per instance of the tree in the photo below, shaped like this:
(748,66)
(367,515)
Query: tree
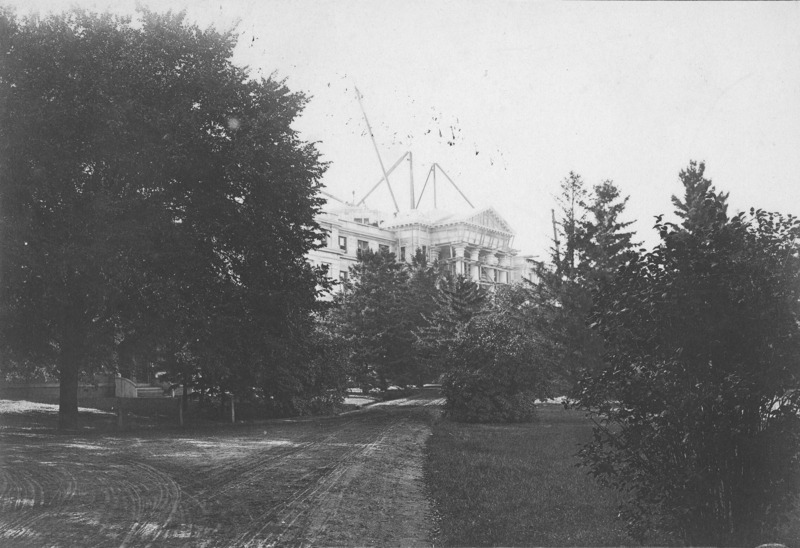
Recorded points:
(417,307)
(697,403)
(495,367)
(595,245)
(150,190)
(572,211)
(702,206)
(370,314)
(456,301)
(605,242)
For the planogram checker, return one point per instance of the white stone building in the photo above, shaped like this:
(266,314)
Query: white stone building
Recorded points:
(476,243)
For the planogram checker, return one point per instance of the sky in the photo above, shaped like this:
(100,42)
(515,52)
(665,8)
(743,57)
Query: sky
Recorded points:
(509,97)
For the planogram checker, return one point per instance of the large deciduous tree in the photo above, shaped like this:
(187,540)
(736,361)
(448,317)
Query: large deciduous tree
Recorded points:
(698,402)
(150,190)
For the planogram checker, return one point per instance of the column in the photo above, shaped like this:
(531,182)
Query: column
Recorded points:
(460,259)
(502,275)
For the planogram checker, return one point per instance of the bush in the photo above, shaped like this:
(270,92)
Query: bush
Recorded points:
(494,368)
(471,396)
(327,403)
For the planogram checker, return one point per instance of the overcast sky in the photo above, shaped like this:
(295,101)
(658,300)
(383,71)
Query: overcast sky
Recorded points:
(510,96)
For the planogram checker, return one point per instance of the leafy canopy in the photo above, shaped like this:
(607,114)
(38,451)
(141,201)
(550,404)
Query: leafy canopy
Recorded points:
(697,403)
(151,194)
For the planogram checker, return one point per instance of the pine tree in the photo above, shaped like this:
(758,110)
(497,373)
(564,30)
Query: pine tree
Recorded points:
(702,206)
(457,300)
(572,209)
(605,240)
(595,244)
(371,314)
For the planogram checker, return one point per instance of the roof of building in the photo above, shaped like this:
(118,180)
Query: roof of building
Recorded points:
(486,217)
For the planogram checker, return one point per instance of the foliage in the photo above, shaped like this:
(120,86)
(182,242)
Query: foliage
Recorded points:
(495,366)
(697,406)
(313,379)
(604,238)
(381,307)
(595,244)
(369,312)
(571,203)
(456,300)
(154,198)
(420,303)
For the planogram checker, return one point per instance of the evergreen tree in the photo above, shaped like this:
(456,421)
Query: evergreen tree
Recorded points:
(571,203)
(702,206)
(595,244)
(370,312)
(605,241)
(697,402)
(455,302)
(420,304)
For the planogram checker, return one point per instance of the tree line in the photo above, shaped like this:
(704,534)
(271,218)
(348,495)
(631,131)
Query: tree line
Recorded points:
(156,207)
(686,356)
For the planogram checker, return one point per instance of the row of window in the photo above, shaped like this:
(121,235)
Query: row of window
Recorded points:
(362,245)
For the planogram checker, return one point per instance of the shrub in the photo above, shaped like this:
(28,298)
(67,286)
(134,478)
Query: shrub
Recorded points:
(494,368)
(471,396)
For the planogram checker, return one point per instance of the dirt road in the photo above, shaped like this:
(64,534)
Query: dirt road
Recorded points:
(355,479)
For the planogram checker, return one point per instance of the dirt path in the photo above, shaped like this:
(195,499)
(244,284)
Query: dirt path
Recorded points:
(355,479)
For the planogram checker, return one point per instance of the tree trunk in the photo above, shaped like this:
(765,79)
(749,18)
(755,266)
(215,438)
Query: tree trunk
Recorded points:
(233,411)
(69,370)
(185,397)
(69,366)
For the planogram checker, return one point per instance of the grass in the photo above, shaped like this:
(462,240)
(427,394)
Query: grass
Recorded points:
(518,485)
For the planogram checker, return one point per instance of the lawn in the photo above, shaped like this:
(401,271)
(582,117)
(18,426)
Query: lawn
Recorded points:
(518,485)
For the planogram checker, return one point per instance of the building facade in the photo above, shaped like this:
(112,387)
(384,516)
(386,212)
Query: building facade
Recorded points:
(476,243)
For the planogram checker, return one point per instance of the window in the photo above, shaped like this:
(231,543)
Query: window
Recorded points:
(402,253)
(425,251)
(343,243)
(363,245)
(342,275)
(383,248)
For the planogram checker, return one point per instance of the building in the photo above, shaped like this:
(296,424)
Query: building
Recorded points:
(476,243)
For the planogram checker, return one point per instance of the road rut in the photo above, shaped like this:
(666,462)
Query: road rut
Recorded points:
(355,479)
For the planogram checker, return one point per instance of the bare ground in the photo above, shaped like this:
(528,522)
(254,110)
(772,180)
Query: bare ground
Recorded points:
(355,479)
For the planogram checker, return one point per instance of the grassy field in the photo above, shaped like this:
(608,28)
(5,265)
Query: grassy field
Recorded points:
(517,485)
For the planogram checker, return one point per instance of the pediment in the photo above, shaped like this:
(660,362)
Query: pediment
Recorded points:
(489,218)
